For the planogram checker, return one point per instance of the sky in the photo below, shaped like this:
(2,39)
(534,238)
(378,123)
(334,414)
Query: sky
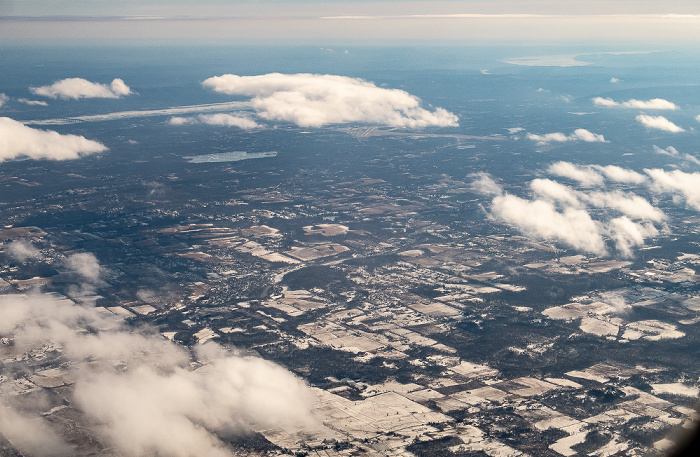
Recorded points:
(359,21)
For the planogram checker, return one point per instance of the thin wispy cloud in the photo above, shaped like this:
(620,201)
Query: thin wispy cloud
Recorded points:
(75,88)
(3,99)
(516,16)
(482,183)
(222,119)
(86,265)
(313,100)
(658,123)
(17,140)
(670,151)
(32,102)
(23,250)
(209,107)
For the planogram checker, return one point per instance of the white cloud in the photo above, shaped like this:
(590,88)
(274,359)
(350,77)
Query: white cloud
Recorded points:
(175,110)
(548,137)
(577,135)
(86,265)
(619,174)
(22,251)
(681,185)
(628,234)
(629,204)
(311,100)
(217,119)
(140,390)
(669,151)
(585,135)
(673,152)
(75,88)
(614,80)
(658,122)
(179,120)
(617,301)
(654,103)
(587,220)
(514,130)
(485,185)
(31,435)
(3,99)
(600,101)
(540,219)
(585,175)
(32,102)
(554,191)
(691,158)
(150,411)
(18,140)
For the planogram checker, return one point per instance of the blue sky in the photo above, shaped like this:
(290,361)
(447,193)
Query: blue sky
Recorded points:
(359,21)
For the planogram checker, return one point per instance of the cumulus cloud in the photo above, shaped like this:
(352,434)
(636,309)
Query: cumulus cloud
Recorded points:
(540,219)
(227,120)
(140,393)
(588,220)
(577,135)
(628,234)
(681,185)
(653,104)
(18,140)
(313,100)
(619,174)
(600,101)
(32,102)
(629,204)
(659,123)
(614,80)
(555,191)
(150,412)
(3,99)
(585,175)
(75,88)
